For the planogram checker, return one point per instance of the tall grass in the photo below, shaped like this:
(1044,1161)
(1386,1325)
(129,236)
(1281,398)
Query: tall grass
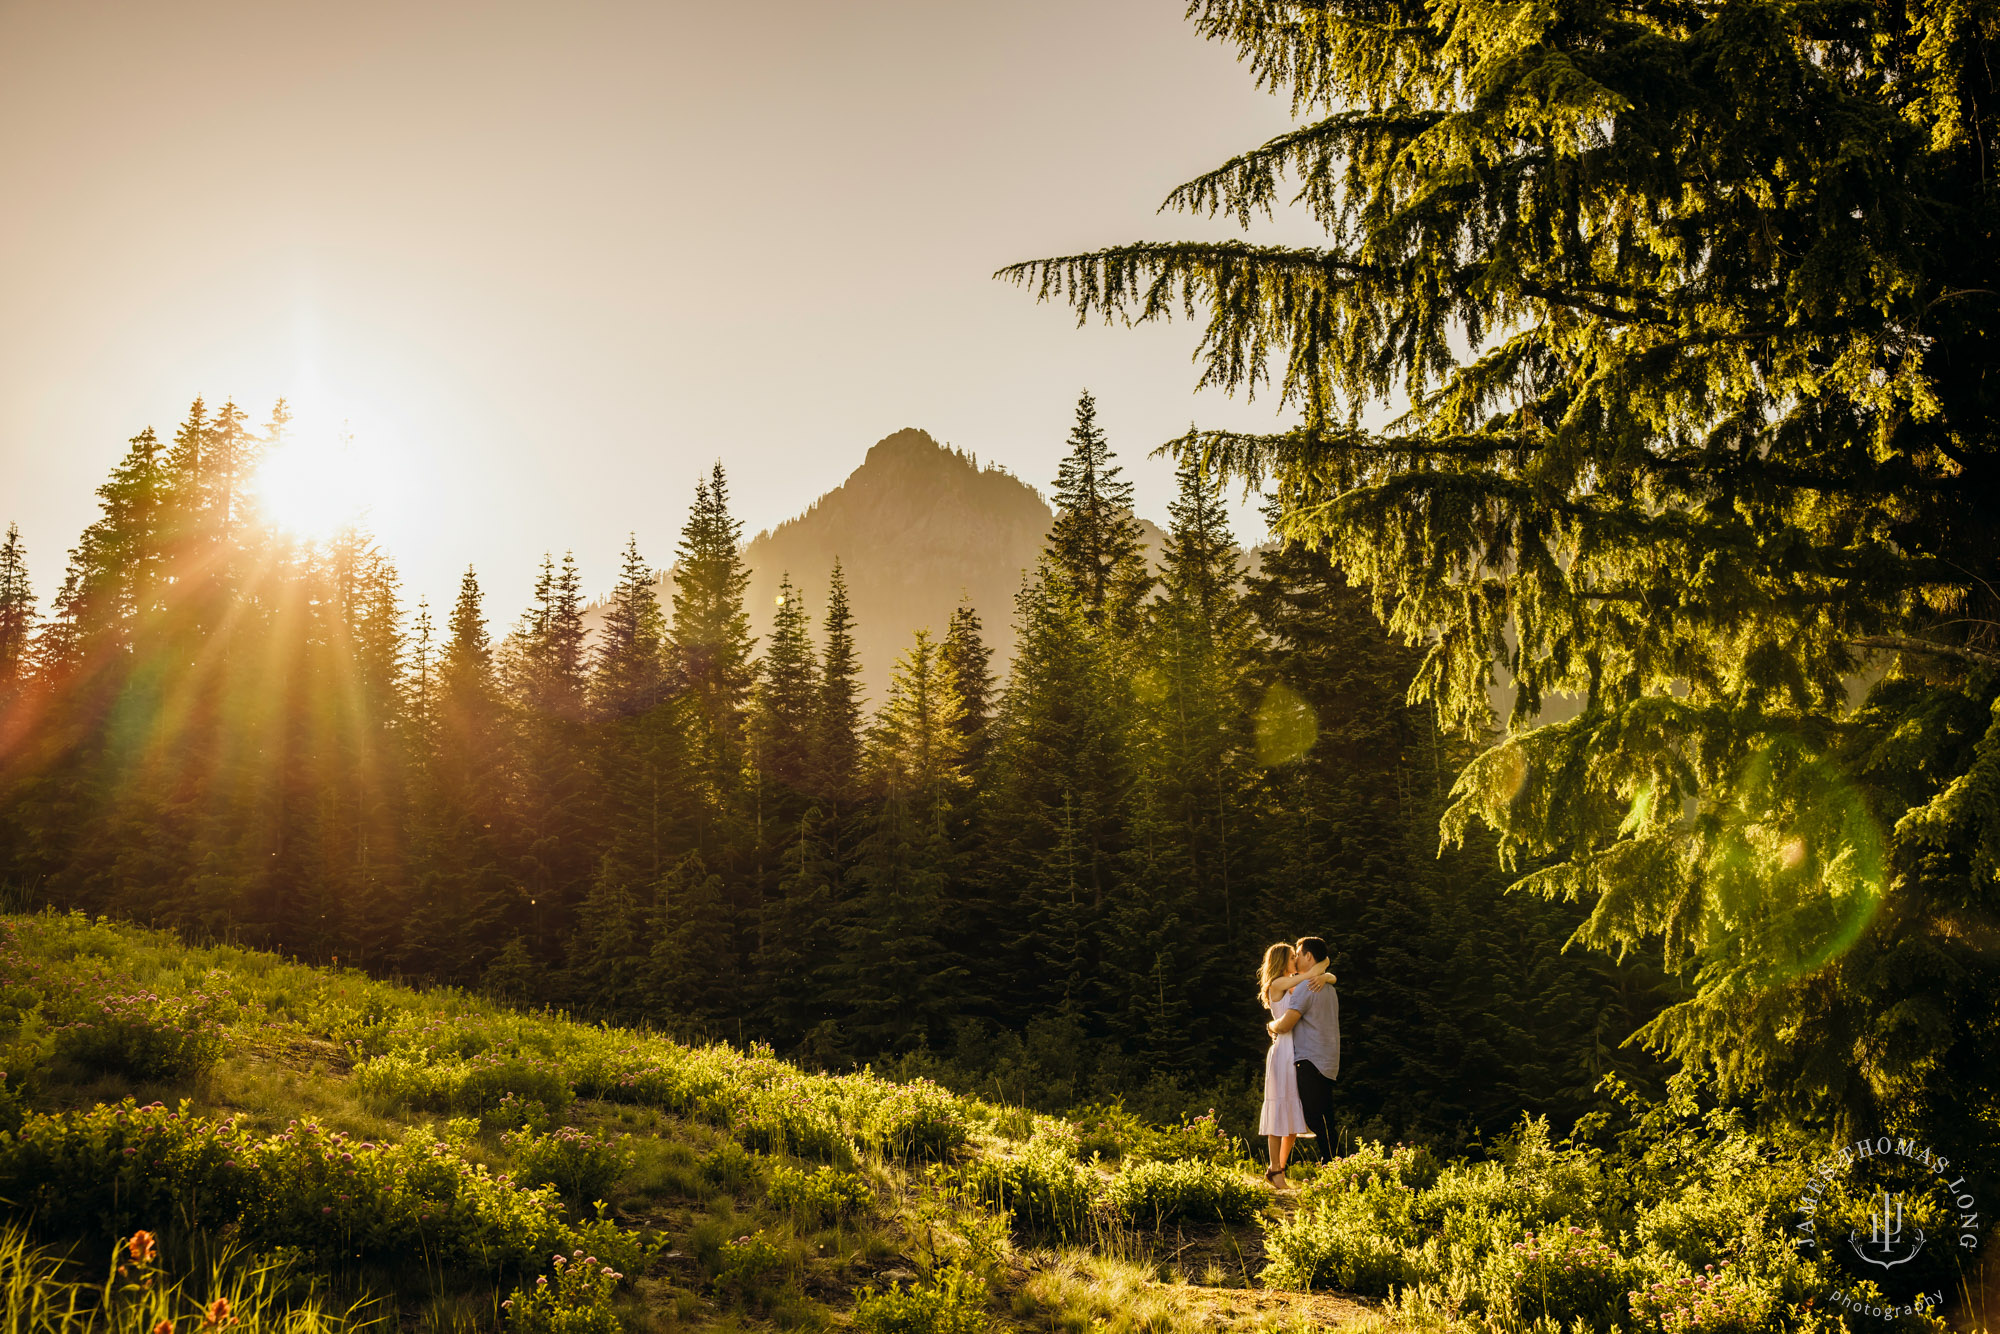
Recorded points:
(43,1292)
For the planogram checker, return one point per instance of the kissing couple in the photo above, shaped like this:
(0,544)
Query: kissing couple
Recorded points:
(1304,1060)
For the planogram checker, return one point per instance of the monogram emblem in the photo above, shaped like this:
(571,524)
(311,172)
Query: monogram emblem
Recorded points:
(1887,1246)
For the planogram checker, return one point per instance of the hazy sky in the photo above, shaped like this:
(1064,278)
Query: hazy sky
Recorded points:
(548,261)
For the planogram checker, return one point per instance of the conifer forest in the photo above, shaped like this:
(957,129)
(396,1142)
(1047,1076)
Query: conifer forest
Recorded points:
(1054,883)
(1615,687)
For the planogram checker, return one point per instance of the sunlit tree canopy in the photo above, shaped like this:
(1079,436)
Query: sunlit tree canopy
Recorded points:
(1676,319)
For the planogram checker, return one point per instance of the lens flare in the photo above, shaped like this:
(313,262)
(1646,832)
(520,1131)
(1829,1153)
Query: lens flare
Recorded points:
(1799,866)
(1286,727)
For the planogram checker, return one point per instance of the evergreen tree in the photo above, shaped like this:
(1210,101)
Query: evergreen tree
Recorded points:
(711,639)
(897,980)
(643,778)
(837,717)
(1674,446)
(966,661)
(686,982)
(1094,545)
(783,814)
(1056,820)
(1179,917)
(788,689)
(630,668)
(467,899)
(116,578)
(17,612)
(547,678)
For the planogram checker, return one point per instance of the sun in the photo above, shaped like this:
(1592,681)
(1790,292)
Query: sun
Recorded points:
(312,489)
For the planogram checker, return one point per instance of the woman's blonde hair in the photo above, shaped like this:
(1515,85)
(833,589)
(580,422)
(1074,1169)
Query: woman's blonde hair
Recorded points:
(1276,960)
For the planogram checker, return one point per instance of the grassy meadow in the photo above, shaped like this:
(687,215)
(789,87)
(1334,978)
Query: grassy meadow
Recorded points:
(203,1138)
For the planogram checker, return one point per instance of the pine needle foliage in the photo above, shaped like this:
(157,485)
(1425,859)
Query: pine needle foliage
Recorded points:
(1688,312)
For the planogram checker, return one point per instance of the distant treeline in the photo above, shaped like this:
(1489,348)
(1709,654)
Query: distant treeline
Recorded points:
(1059,884)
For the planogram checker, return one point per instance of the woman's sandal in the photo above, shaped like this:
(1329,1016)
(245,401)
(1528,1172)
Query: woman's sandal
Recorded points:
(1272,1176)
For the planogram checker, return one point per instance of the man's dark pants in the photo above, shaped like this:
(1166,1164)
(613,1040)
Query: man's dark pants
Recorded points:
(1316,1097)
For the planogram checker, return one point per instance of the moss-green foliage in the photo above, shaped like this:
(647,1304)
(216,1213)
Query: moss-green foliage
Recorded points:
(1190,1190)
(581,1164)
(1109,1131)
(142,1036)
(1043,1188)
(822,1195)
(728,1166)
(1668,1232)
(307,1187)
(472,1084)
(1673,1226)
(757,1269)
(577,1301)
(952,1304)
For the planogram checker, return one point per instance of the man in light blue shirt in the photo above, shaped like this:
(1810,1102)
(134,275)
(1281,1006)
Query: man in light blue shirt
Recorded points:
(1312,1017)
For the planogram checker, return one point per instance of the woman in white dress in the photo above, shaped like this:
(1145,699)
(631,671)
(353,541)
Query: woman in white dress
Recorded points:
(1283,1119)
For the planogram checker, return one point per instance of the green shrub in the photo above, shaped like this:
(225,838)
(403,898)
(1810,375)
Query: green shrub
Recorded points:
(1153,1194)
(953,1304)
(798,1116)
(1053,1134)
(13,1098)
(729,1167)
(1565,1275)
(752,1269)
(111,1168)
(917,1121)
(1722,1300)
(581,1164)
(513,1112)
(142,1035)
(1192,1139)
(1107,1130)
(470,1084)
(578,1302)
(1414,1167)
(1336,1242)
(1043,1190)
(818,1197)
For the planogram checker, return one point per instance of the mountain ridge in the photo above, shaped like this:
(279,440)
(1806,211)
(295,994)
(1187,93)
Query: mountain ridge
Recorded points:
(917,527)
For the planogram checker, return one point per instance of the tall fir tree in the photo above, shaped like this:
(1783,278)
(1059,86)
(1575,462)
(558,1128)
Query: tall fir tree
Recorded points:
(782,809)
(1180,916)
(967,663)
(17,613)
(629,670)
(897,982)
(1675,446)
(837,716)
(642,775)
(1095,545)
(546,670)
(468,899)
(787,689)
(711,635)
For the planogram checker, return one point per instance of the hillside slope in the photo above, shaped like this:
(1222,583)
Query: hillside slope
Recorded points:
(342,1149)
(438,1157)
